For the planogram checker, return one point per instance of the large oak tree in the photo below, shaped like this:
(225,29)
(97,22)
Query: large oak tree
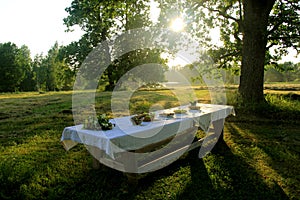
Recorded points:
(254,33)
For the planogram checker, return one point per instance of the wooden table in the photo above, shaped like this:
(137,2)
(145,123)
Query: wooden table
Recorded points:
(149,147)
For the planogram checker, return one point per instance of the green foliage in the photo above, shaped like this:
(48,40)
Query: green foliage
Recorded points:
(143,58)
(284,107)
(282,30)
(24,60)
(285,72)
(75,53)
(52,73)
(248,30)
(101,122)
(102,20)
(12,72)
(19,73)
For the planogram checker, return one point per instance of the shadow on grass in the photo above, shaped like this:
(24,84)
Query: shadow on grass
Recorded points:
(275,151)
(224,175)
(219,175)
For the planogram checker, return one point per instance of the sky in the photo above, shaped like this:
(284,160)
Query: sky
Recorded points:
(36,23)
(39,24)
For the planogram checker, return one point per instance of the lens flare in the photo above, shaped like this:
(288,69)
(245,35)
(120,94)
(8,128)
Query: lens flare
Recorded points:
(177,24)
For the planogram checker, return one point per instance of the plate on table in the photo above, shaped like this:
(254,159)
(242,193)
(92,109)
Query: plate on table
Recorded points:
(180,112)
(167,115)
(194,107)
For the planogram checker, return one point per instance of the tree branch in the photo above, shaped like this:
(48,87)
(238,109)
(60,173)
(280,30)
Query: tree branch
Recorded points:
(224,14)
(293,4)
(234,53)
(271,45)
(284,37)
(275,27)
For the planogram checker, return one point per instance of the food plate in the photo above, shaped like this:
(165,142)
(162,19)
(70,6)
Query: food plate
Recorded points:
(194,107)
(167,114)
(180,111)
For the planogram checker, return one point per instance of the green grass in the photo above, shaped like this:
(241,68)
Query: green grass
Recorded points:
(260,158)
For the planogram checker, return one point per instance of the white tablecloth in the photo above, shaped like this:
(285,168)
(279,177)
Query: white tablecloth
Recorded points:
(125,136)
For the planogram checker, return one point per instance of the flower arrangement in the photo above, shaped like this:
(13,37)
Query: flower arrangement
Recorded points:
(101,122)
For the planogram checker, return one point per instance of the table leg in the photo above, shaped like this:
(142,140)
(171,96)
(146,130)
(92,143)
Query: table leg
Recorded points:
(96,164)
(219,129)
(211,140)
(132,179)
(131,168)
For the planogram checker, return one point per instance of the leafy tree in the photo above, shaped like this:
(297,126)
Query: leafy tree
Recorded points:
(289,71)
(249,30)
(128,61)
(75,53)
(273,75)
(101,20)
(49,63)
(39,72)
(11,71)
(24,60)
(59,75)
(284,72)
(52,73)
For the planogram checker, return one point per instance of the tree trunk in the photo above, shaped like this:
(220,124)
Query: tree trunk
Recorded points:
(256,14)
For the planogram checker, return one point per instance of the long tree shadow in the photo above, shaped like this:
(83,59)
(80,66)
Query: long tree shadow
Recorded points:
(219,175)
(223,175)
(278,148)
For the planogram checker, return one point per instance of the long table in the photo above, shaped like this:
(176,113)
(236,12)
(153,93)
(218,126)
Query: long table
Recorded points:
(151,146)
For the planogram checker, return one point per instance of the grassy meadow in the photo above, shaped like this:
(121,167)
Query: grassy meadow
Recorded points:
(259,160)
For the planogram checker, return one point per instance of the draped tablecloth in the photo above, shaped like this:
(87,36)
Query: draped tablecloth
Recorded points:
(125,136)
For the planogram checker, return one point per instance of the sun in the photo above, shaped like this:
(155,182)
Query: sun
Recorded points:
(177,24)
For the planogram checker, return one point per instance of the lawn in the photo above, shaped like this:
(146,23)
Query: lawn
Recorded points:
(260,158)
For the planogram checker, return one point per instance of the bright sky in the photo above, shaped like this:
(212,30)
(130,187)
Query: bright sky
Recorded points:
(35,23)
(39,24)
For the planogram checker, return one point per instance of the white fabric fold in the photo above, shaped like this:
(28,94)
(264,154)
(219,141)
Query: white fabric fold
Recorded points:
(125,136)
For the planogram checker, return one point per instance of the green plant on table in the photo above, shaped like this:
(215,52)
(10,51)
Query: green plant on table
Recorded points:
(101,122)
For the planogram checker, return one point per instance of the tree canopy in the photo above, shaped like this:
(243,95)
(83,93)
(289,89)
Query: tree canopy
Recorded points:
(14,63)
(102,20)
(253,34)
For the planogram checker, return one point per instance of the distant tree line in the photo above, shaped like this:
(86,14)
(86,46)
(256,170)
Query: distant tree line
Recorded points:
(18,72)
(57,70)
(285,72)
